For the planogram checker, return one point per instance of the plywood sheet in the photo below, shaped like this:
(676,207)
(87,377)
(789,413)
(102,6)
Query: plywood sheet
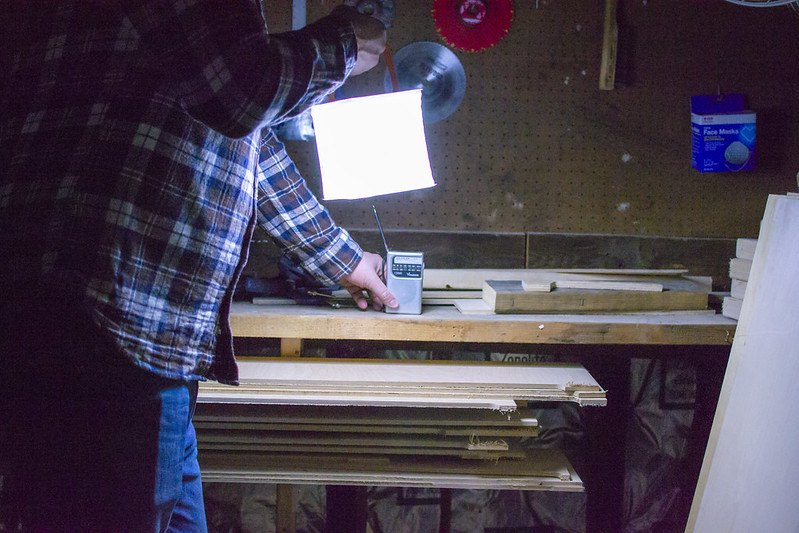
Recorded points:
(751,464)
(545,469)
(362,383)
(384,416)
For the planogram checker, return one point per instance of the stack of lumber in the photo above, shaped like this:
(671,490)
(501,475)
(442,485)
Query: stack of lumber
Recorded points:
(740,267)
(571,291)
(446,424)
(462,433)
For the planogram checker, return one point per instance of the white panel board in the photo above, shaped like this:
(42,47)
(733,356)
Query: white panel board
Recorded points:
(751,466)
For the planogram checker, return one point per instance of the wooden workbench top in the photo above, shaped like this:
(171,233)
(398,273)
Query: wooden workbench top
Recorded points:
(447,324)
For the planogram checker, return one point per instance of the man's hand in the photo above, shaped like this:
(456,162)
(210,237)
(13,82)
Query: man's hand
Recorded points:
(367,276)
(371,36)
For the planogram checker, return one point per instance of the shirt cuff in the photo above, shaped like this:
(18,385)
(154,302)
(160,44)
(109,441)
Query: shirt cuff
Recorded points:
(336,260)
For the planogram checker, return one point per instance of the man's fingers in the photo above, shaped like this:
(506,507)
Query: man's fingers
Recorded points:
(367,276)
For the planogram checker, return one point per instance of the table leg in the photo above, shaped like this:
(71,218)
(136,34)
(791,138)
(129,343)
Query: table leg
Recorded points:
(445,520)
(290,347)
(346,509)
(285,509)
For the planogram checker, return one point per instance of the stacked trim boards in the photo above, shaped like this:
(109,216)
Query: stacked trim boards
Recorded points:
(740,266)
(574,291)
(384,422)
(306,381)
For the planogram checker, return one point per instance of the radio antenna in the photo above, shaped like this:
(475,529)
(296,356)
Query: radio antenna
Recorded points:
(380,227)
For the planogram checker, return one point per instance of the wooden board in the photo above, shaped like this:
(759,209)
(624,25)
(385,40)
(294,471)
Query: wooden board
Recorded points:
(745,248)
(510,297)
(466,431)
(473,279)
(223,394)
(731,307)
(372,416)
(315,449)
(542,469)
(292,372)
(607,285)
(740,268)
(474,307)
(352,439)
(738,289)
(380,382)
(751,464)
(536,286)
(444,323)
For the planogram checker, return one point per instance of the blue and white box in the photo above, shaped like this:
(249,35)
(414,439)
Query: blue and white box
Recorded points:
(722,133)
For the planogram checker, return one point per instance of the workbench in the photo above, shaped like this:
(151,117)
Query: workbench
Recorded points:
(604,343)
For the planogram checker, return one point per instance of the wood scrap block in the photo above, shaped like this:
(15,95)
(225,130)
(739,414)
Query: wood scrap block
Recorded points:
(731,307)
(538,286)
(450,294)
(745,248)
(738,289)
(474,307)
(740,268)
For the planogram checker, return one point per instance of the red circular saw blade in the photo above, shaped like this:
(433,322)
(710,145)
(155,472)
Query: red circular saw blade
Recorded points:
(472,25)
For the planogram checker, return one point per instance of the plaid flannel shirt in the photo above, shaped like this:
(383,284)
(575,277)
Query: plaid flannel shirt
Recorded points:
(134,142)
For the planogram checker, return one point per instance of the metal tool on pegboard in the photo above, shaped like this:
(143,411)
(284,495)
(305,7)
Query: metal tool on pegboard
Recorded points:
(436,70)
(382,10)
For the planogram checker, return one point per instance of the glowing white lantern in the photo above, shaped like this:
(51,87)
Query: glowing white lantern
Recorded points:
(372,145)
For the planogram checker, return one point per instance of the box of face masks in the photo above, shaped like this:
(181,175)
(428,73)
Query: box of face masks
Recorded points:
(722,133)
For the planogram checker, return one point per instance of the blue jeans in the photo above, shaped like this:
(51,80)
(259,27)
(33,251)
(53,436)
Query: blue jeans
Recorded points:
(89,442)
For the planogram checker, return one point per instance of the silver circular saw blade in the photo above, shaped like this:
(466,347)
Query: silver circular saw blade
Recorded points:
(436,70)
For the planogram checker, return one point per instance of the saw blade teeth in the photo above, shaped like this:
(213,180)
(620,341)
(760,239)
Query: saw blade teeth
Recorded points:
(472,25)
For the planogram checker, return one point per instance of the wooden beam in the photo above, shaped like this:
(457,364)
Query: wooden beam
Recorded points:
(290,347)
(610,45)
(444,323)
(285,509)
(508,296)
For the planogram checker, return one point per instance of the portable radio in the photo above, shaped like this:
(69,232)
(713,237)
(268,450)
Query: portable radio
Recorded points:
(404,275)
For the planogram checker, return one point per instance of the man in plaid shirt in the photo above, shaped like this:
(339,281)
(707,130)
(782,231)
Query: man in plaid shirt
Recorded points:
(135,158)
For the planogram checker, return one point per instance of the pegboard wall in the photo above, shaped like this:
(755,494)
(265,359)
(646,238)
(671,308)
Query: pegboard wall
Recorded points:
(535,146)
